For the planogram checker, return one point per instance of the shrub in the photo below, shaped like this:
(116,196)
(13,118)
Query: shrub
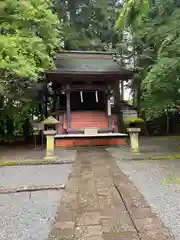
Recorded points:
(134,122)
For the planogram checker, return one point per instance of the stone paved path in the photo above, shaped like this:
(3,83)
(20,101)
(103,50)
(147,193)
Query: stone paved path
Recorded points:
(100,203)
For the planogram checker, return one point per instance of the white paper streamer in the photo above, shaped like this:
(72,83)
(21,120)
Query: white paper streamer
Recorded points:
(96,96)
(81,94)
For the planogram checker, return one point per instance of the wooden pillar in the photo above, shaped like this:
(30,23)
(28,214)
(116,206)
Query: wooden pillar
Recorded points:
(109,111)
(59,101)
(68,107)
(118,107)
(122,90)
(54,107)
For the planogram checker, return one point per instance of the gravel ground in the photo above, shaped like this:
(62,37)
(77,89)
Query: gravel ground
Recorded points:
(22,153)
(150,177)
(19,176)
(28,217)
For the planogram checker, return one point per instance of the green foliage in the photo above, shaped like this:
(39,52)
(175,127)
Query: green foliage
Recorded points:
(154,49)
(29,37)
(134,120)
(31,32)
(132,13)
(88,25)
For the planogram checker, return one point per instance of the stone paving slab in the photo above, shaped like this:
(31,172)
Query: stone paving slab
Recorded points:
(100,203)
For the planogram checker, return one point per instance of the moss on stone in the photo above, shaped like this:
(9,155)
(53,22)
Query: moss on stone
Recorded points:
(50,121)
(134,120)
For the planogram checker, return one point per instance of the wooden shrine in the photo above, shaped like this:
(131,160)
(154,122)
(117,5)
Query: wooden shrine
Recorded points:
(83,84)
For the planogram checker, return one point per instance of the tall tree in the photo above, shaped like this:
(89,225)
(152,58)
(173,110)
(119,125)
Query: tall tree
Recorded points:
(88,25)
(29,37)
(154,32)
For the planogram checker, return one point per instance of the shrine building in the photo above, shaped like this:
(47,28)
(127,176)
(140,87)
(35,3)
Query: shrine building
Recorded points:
(85,84)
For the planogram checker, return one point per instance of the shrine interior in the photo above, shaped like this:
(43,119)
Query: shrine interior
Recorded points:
(87,100)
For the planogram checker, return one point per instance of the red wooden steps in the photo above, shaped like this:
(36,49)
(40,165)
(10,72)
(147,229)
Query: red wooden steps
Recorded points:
(87,120)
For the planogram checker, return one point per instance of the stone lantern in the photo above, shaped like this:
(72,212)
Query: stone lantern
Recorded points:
(134,130)
(50,132)
(134,139)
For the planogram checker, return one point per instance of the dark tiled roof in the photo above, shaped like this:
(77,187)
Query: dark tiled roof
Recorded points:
(88,62)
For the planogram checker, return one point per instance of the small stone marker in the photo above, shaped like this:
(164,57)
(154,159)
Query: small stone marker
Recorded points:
(134,139)
(90,131)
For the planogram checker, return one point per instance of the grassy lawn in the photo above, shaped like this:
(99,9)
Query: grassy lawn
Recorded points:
(4,163)
(175,156)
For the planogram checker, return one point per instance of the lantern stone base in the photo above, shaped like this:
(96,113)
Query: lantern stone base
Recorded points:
(50,153)
(134,139)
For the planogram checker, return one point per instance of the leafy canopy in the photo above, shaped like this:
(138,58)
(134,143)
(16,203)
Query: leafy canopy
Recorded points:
(154,29)
(88,25)
(29,37)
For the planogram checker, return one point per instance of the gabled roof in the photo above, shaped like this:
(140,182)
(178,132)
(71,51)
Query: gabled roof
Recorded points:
(86,63)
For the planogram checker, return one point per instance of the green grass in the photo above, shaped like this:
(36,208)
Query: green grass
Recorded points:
(175,156)
(167,137)
(4,163)
(172,180)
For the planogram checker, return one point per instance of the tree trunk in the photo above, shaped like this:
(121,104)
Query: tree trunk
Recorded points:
(27,129)
(10,126)
(138,97)
(41,105)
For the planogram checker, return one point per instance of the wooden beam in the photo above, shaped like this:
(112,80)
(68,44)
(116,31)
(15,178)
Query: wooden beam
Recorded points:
(85,87)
